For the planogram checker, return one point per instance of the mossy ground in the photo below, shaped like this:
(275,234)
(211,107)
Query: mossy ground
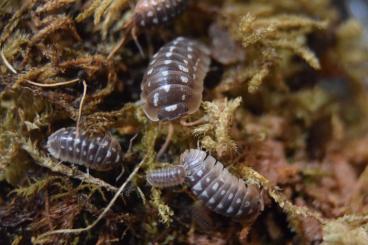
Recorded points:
(285,106)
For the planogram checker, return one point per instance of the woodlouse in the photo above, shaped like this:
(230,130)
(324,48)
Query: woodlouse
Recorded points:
(149,13)
(173,83)
(221,191)
(100,153)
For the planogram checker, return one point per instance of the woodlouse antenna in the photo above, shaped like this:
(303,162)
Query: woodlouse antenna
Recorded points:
(170,133)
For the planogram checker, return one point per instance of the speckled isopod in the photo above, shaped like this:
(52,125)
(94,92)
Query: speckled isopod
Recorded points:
(155,12)
(221,191)
(173,83)
(100,153)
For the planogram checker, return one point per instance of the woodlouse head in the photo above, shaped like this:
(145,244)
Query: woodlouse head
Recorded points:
(191,159)
(53,142)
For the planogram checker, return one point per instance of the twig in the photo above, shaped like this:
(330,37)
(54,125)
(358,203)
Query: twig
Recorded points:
(117,194)
(81,105)
(7,64)
(53,84)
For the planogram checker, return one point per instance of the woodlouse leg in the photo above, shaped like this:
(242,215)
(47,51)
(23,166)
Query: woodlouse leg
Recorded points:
(121,174)
(136,41)
(131,143)
(170,133)
(201,120)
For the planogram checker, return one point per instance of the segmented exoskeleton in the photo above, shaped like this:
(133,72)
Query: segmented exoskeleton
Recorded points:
(173,83)
(100,153)
(221,191)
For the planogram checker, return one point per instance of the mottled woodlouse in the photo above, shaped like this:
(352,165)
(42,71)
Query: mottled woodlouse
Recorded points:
(149,13)
(173,83)
(100,153)
(221,191)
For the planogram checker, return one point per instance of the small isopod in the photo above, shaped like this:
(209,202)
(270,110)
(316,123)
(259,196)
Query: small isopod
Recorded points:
(167,177)
(100,153)
(221,191)
(149,13)
(173,83)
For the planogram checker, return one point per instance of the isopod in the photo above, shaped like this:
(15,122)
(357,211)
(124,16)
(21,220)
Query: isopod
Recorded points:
(167,177)
(149,13)
(173,83)
(156,12)
(100,153)
(221,191)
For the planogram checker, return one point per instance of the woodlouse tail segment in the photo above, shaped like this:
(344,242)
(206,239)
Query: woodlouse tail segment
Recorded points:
(166,177)
(253,205)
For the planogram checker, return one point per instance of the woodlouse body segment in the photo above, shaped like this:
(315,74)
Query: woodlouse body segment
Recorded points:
(149,13)
(167,177)
(173,83)
(100,153)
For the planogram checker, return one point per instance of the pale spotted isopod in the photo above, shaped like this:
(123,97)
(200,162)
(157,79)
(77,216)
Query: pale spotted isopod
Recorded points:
(173,83)
(100,153)
(155,12)
(221,191)
(149,13)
